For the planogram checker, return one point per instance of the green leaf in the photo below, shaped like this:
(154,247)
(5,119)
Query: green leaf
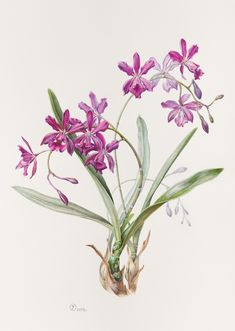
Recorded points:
(165,168)
(58,115)
(143,146)
(188,184)
(57,205)
(174,192)
(144,155)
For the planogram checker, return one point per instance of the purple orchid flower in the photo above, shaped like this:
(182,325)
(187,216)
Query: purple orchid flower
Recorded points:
(91,136)
(98,158)
(97,108)
(184,59)
(60,140)
(137,84)
(169,81)
(27,157)
(181,111)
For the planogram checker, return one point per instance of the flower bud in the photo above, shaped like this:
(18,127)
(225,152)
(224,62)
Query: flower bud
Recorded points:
(220,96)
(63,197)
(197,90)
(205,125)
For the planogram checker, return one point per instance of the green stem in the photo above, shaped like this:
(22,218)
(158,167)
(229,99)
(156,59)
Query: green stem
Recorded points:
(115,155)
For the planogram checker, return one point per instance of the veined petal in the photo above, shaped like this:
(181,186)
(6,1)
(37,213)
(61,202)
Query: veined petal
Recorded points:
(183,46)
(136,62)
(90,120)
(126,68)
(147,66)
(34,169)
(102,105)
(52,122)
(112,146)
(172,114)
(84,106)
(188,114)
(127,85)
(110,162)
(193,105)
(192,51)
(102,126)
(147,84)
(69,145)
(27,144)
(93,99)
(170,104)
(48,137)
(184,98)
(191,66)
(65,119)
(175,56)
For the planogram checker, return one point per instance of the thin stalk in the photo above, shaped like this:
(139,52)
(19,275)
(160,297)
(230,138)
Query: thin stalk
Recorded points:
(115,155)
(141,173)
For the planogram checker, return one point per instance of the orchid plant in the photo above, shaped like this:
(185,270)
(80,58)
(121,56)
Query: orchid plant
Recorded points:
(86,137)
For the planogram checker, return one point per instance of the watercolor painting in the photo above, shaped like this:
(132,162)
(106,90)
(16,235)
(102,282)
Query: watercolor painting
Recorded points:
(117,167)
(85,137)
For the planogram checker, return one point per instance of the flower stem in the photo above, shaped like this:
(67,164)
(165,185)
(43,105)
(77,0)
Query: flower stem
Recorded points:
(115,155)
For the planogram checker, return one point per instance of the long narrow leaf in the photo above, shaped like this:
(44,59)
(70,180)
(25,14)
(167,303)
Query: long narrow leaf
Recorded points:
(166,166)
(56,205)
(144,155)
(174,192)
(58,115)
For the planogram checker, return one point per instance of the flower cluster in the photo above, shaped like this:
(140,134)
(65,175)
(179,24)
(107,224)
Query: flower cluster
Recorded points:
(87,138)
(73,134)
(181,112)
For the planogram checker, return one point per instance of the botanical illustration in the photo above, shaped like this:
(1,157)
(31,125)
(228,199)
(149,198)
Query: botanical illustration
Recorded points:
(86,136)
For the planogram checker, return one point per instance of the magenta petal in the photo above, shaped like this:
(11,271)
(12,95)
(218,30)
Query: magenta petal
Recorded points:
(184,98)
(112,146)
(172,114)
(102,105)
(147,84)
(191,66)
(27,144)
(84,106)
(34,169)
(110,162)
(69,145)
(170,104)
(127,86)
(193,105)
(147,66)
(136,62)
(102,126)
(65,119)
(93,99)
(183,47)
(48,137)
(52,122)
(126,68)
(192,51)
(188,114)
(90,120)
(175,56)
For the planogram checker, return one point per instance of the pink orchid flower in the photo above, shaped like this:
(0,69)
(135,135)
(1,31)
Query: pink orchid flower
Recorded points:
(137,84)
(27,157)
(169,81)
(181,111)
(97,159)
(91,136)
(60,140)
(97,108)
(184,59)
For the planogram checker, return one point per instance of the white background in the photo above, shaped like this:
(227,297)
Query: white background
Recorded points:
(73,47)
